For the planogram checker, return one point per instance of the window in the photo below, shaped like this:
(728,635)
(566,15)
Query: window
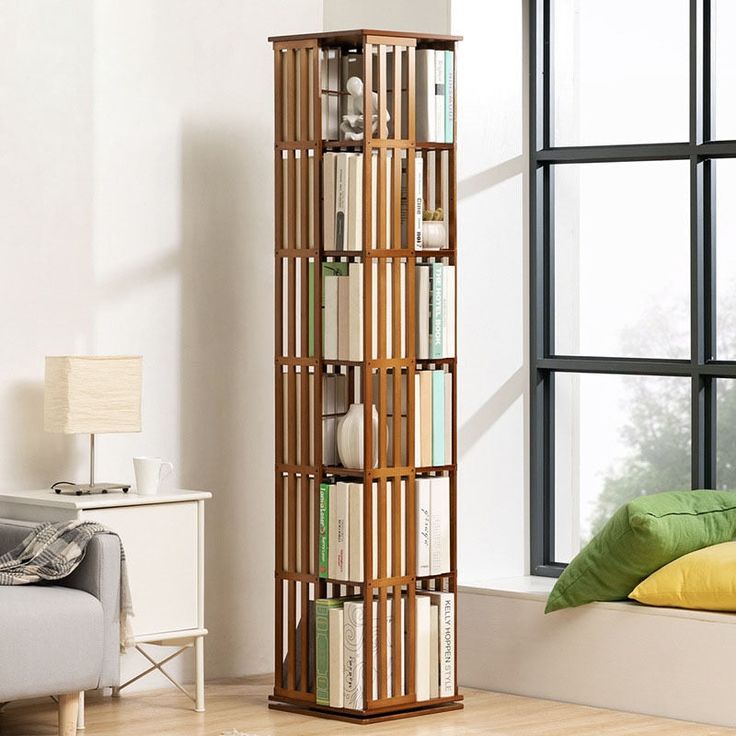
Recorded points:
(632,259)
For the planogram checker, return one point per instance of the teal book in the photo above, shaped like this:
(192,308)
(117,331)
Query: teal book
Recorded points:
(322,646)
(324,528)
(438,417)
(333,268)
(449,96)
(436,286)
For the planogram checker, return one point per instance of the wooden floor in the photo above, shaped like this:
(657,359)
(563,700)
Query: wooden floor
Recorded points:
(241,705)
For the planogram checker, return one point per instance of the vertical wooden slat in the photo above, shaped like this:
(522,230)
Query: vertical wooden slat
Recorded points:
(411,104)
(290,95)
(291,225)
(382,95)
(305,622)
(396,633)
(291,638)
(278,112)
(396,203)
(303,94)
(382,642)
(398,63)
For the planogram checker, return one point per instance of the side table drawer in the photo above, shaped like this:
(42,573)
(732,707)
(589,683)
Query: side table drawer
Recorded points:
(160,543)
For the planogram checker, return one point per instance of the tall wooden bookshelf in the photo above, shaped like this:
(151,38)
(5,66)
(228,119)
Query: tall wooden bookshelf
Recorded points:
(301,96)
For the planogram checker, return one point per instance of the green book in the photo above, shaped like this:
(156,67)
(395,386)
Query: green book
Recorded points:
(322,645)
(324,528)
(333,268)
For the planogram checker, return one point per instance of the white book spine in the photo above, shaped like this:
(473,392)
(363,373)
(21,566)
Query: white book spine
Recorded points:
(423,522)
(439,91)
(341,201)
(328,205)
(418,200)
(336,644)
(446,603)
(330,287)
(389,310)
(422,311)
(421,647)
(417,419)
(374,200)
(449,96)
(374,308)
(425,95)
(402,306)
(355,320)
(343,317)
(439,545)
(434,651)
(448,418)
(389,201)
(449,315)
(355,202)
(353,657)
(340,532)
(402,522)
(355,535)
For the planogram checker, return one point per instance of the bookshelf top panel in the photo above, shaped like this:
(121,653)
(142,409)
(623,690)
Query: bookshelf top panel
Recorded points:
(358,35)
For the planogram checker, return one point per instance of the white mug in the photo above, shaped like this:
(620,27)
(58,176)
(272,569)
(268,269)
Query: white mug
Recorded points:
(149,472)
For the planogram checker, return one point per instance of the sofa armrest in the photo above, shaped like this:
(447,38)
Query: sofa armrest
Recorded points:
(99,575)
(12,533)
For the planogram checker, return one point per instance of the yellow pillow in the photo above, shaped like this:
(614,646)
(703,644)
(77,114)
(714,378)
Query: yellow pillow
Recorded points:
(704,579)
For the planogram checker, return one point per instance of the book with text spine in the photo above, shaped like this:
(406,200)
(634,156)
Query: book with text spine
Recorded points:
(434,650)
(356,531)
(439,543)
(436,319)
(324,526)
(355,318)
(425,408)
(448,311)
(422,310)
(426,122)
(329,162)
(335,670)
(330,298)
(338,532)
(343,317)
(355,202)
(418,199)
(341,200)
(448,418)
(421,647)
(322,646)
(438,417)
(353,656)
(439,92)
(422,498)
(446,603)
(449,96)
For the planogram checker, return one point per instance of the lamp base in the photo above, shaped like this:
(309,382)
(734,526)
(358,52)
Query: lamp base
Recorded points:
(82,489)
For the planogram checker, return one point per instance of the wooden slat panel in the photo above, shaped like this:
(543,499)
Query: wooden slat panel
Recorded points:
(382,645)
(305,620)
(411,639)
(278,649)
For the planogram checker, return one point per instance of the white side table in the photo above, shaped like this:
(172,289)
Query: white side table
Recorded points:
(163,537)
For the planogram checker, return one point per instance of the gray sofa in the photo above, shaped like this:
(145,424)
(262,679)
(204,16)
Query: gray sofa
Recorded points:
(61,638)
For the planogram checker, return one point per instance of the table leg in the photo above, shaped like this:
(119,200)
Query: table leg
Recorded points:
(199,667)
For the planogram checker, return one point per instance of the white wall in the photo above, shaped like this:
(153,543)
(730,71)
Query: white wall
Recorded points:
(136,165)
(422,16)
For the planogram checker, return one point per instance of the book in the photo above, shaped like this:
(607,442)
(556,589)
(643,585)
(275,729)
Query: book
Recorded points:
(329,162)
(439,95)
(374,199)
(355,306)
(324,527)
(434,650)
(341,200)
(426,122)
(422,310)
(425,407)
(448,311)
(389,309)
(330,323)
(421,647)
(438,417)
(355,202)
(417,420)
(446,604)
(343,317)
(355,532)
(322,647)
(338,532)
(335,669)
(449,96)
(448,418)
(436,316)
(418,199)
(422,497)
(353,656)
(402,308)
(439,542)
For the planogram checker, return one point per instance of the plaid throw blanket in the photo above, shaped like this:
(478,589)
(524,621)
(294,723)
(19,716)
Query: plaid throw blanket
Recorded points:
(53,551)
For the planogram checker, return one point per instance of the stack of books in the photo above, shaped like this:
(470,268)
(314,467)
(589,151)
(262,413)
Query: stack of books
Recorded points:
(340,654)
(341,529)
(433,418)
(342,206)
(435,75)
(435,310)
(432,497)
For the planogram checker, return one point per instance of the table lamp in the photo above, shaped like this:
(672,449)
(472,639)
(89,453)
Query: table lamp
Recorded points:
(91,395)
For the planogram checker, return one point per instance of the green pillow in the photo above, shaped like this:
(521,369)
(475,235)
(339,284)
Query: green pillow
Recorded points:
(641,537)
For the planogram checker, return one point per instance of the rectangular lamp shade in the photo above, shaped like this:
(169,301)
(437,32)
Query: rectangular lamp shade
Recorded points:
(93,394)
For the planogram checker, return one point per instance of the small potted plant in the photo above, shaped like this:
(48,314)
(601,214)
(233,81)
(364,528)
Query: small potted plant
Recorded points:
(434,229)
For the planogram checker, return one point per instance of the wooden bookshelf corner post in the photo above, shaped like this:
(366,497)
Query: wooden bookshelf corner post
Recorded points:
(375,250)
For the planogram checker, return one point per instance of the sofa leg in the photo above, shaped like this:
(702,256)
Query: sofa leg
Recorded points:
(68,711)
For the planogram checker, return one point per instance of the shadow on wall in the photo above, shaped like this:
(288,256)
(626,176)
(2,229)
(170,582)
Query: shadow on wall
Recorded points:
(226,423)
(34,458)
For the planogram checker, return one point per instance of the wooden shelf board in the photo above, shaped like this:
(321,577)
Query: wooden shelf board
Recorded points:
(357,34)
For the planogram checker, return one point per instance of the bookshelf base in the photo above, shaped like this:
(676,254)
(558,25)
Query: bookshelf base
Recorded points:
(363,718)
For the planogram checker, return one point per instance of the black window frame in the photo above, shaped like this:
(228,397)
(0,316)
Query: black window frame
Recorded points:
(703,369)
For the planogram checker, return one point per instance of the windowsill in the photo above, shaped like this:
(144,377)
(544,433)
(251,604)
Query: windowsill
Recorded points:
(537,588)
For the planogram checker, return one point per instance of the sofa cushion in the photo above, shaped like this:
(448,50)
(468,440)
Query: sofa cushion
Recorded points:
(50,641)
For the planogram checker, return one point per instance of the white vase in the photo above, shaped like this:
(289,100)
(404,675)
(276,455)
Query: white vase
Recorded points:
(350,437)
(434,234)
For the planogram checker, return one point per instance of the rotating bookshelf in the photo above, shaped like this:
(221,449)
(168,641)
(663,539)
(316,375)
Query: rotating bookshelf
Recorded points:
(365,305)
